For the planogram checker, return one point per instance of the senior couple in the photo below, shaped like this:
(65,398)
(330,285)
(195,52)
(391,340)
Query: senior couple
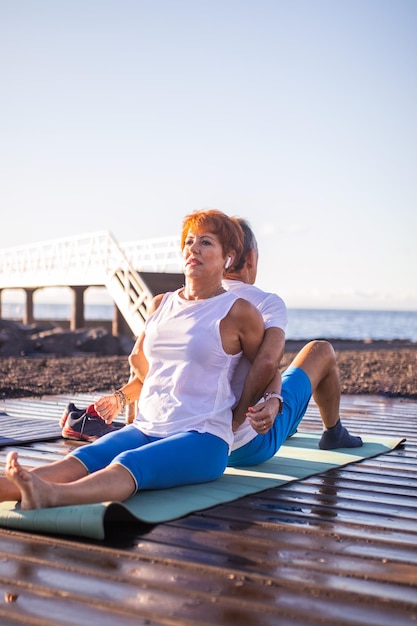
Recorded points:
(207,381)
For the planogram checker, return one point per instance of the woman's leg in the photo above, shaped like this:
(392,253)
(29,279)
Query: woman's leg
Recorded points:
(178,460)
(183,459)
(112,483)
(99,454)
(84,460)
(64,471)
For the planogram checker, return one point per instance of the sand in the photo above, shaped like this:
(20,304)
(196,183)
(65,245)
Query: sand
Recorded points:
(377,368)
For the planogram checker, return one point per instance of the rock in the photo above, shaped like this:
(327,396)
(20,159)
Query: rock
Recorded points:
(17,339)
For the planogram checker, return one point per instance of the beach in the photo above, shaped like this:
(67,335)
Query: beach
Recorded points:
(386,368)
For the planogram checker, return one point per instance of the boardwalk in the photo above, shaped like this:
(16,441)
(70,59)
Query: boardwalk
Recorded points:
(338,548)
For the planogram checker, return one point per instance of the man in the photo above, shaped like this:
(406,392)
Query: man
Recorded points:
(313,372)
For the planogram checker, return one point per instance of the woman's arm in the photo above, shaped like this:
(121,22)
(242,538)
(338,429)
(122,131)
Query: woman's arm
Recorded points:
(109,407)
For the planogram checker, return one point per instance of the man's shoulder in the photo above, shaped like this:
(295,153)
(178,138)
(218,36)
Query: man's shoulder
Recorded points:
(248,291)
(271,306)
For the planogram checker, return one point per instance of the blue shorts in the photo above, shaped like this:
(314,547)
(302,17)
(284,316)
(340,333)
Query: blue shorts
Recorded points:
(158,463)
(296,391)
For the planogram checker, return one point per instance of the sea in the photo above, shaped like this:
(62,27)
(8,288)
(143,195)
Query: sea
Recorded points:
(303,324)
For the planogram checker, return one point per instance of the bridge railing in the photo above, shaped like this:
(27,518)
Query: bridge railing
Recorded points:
(81,260)
(92,259)
(161,254)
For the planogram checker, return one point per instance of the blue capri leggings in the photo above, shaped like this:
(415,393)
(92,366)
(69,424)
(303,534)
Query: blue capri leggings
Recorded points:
(156,463)
(296,391)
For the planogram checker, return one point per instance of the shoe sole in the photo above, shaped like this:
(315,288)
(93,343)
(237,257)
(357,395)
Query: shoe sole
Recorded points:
(63,418)
(69,433)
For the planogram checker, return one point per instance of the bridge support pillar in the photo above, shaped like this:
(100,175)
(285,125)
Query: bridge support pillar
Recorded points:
(77,315)
(119,324)
(28,317)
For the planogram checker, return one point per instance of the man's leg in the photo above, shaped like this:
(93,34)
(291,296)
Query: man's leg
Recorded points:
(318,360)
(296,391)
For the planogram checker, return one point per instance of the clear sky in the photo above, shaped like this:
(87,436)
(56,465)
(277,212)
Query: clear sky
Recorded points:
(299,115)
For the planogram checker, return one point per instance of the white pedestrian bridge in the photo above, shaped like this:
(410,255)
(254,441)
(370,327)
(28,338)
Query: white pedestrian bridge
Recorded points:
(132,272)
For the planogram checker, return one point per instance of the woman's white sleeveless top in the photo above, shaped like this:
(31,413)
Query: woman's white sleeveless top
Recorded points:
(188,382)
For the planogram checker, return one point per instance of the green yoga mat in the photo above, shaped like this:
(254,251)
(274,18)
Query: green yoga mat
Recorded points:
(299,458)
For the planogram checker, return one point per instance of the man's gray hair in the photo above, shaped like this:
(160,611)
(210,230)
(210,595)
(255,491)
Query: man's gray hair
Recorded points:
(249,243)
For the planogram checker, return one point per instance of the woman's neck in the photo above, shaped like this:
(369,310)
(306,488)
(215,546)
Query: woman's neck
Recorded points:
(194,292)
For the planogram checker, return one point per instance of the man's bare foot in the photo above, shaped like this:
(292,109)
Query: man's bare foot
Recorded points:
(35,492)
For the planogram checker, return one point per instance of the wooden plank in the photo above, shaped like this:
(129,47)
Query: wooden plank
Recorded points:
(337,548)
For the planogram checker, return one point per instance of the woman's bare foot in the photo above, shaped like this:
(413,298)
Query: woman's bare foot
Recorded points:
(35,492)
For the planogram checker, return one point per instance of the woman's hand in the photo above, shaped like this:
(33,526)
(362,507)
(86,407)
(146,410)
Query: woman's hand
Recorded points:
(262,416)
(108,408)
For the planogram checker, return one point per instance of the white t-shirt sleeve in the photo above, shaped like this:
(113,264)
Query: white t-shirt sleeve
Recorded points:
(274,312)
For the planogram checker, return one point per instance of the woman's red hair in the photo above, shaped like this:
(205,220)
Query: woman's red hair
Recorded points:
(227,229)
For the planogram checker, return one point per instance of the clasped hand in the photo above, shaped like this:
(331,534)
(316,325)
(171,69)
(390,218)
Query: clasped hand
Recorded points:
(108,408)
(262,416)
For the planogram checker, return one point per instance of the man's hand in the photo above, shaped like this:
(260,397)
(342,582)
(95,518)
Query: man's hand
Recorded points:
(262,416)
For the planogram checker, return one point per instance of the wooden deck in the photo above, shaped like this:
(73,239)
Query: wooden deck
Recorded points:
(339,548)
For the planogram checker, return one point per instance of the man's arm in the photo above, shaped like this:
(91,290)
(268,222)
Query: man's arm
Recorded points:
(264,371)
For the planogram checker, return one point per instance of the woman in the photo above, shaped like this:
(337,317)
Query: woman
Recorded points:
(185,360)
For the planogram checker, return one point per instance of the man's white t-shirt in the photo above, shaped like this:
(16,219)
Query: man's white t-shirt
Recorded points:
(274,314)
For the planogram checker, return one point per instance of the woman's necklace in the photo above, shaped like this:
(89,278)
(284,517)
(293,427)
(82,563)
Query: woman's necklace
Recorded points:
(218,291)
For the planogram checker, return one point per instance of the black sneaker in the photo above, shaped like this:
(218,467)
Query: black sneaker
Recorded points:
(70,408)
(84,424)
